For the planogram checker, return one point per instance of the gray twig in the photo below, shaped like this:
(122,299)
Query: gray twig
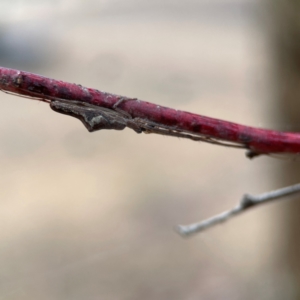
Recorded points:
(246,202)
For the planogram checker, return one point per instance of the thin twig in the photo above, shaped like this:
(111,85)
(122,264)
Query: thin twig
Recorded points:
(246,202)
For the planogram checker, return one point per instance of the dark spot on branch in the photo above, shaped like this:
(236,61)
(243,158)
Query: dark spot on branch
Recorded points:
(196,127)
(245,138)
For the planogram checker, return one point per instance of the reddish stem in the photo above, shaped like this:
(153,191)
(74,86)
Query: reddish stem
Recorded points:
(259,141)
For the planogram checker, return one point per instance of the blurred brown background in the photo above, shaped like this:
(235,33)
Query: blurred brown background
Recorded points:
(91,216)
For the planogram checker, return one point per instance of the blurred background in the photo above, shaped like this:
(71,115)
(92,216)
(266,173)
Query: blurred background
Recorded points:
(91,215)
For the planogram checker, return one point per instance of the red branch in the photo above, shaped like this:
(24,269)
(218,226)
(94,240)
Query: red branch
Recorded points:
(258,141)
